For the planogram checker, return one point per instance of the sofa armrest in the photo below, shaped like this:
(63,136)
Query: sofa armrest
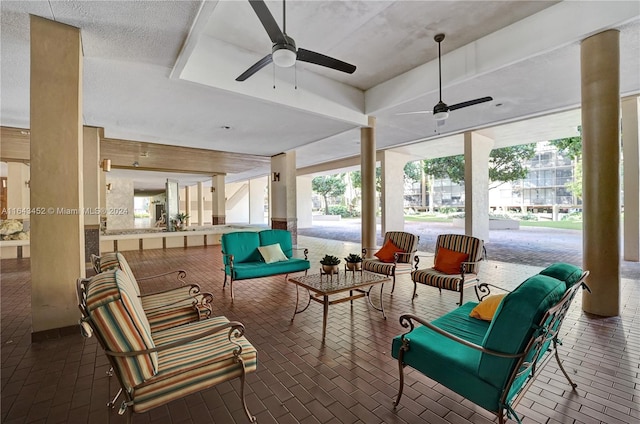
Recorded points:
(407,321)
(305,252)
(230,260)
(236,330)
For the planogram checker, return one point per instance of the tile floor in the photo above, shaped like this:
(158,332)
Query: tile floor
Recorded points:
(350,379)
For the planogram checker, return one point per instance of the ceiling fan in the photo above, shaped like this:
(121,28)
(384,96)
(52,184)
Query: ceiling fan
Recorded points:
(441,110)
(284,52)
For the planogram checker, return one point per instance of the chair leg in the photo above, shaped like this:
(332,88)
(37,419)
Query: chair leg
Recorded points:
(461,293)
(231,287)
(401,369)
(415,289)
(224,283)
(555,352)
(393,286)
(244,399)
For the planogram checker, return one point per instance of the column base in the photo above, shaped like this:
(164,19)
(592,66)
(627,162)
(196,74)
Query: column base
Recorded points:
(91,241)
(218,219)
(289,224)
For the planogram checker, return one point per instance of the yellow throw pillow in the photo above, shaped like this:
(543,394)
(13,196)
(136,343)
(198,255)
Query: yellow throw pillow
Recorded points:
(487,308)
(272,253)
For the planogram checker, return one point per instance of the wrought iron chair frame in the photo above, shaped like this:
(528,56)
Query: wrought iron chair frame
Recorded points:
(88,329)
(547,330)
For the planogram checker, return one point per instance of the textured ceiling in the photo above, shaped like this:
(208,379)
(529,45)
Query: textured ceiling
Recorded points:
(164,71)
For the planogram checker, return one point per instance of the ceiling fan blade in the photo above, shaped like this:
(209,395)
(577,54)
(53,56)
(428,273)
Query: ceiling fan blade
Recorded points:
(470,103)
(326,61)
(415,113)
(255,67)
(269,24)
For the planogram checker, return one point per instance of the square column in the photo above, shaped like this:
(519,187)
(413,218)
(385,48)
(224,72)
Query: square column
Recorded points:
(257,187)
(200,204)
(57,234)
(305,206)
(218,202)
(393,190)
(283,194)
(476,184)
(91,171)
(368,173)
(187,204)
(631,178)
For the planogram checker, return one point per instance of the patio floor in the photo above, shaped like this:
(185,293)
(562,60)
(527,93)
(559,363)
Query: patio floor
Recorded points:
(351,378)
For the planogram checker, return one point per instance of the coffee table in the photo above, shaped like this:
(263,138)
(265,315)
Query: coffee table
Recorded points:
(320,287)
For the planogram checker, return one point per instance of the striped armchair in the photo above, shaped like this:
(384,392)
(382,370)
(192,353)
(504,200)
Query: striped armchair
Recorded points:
(402,261)
(466,273)
(157,367)
(165,308)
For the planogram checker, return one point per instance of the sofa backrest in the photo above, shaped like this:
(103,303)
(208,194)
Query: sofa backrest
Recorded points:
(117,315)
(514,324)
(465,244)
(281,237)
(117,260)
(243,245)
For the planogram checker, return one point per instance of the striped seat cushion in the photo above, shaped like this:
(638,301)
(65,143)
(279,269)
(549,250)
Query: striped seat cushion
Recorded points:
(194,366)
(118,316)
(431,277)
(379,267)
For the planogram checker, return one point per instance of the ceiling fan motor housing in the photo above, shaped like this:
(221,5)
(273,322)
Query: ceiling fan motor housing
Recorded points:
(284,54)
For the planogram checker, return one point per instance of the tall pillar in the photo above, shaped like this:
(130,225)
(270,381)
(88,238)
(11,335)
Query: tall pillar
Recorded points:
(392,164)
(218,203)
(57,237)
(200,204)
(91,171)
(305,205)
(600,76)
(283,193)
(257,188)
(18,192)
(187,204)
(631,158)
(368,173)
(476,184)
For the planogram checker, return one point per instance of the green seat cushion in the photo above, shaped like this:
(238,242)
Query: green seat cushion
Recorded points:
(448,362)
(243,245)
(568,273)
(281,237)
(259,269)
(514,323)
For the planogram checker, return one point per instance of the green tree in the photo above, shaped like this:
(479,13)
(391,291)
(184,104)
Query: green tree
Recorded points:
(505,164)
(328,185)
(413,171)
(356,179)
(572,147)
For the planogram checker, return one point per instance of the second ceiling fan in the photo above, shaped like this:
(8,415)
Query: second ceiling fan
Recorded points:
(441,109)
(284,52)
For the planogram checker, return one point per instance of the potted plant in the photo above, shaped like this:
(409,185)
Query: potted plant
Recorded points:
(181,220)
(330,264)
(354,262)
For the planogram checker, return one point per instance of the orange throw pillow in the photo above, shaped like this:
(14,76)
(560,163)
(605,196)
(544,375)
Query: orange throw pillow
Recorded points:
(486,309)
(386,253)
(448,261)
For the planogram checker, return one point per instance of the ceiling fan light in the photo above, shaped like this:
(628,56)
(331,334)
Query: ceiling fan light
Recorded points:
(441,116)
(284,58)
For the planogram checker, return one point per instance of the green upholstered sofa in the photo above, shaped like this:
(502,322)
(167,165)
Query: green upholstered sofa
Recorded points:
(492,363)
(242,259)
(155,367)
(164,309)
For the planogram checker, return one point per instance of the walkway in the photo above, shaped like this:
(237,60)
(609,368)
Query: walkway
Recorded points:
(535,246)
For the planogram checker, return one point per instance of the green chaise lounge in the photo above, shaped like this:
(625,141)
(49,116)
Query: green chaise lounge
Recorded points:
(492,363)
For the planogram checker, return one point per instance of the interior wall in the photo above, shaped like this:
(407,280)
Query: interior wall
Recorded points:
(119,205)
